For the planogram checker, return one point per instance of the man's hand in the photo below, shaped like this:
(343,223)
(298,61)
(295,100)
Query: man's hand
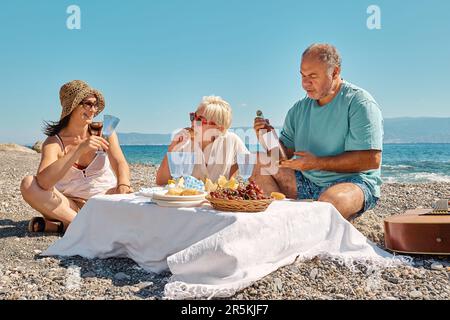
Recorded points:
(306,162)
(261,124)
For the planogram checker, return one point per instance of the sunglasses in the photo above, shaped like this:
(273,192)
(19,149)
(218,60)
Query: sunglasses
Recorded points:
(88,105)
(194,117)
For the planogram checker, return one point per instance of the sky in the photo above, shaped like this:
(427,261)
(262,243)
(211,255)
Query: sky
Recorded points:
(155,60)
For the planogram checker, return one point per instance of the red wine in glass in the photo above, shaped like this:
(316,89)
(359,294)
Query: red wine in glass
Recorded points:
(96,130)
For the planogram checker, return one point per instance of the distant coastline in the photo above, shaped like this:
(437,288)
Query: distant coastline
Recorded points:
(425,130)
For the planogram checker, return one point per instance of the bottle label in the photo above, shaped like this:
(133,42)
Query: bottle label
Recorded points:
(271,140)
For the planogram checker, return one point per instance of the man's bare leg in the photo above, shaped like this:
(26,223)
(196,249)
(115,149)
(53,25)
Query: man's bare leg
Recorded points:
(271,178)
(347,198)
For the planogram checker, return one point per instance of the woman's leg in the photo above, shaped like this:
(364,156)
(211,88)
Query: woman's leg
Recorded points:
(52,204)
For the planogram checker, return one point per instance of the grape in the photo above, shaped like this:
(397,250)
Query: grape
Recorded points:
(251,191)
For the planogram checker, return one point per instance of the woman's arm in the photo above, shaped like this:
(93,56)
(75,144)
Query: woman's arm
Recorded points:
(119,165)
(51,169)
(163,174)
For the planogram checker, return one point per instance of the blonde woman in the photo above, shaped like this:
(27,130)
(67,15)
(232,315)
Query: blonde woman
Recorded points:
(215,148)
(71,170)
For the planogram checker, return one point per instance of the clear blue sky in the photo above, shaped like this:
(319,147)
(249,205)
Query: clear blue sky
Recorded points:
(154,60)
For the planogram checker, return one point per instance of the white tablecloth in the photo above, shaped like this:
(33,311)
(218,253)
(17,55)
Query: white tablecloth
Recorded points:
(211,253)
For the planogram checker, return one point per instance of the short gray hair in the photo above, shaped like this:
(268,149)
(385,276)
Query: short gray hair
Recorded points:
(325,52)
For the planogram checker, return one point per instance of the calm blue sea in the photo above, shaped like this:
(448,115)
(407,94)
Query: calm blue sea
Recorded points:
(409,163)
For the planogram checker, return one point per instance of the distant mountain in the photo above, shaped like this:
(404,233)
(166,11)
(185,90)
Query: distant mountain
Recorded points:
(417,130)
(143,139)
(396,130)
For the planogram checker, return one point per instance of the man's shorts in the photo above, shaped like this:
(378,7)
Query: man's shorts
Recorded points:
(306,189)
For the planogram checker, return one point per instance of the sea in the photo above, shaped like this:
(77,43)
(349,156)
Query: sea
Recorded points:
(403,163)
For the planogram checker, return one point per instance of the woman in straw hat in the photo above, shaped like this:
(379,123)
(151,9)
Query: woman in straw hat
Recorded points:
(71,170)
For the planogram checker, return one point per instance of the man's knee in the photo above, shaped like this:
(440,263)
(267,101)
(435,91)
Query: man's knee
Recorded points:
(331,197)
(336,197)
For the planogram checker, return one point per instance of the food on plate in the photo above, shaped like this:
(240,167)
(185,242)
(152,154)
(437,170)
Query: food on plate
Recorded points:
(191,192)
(277,196)
(183,192)
(175,192)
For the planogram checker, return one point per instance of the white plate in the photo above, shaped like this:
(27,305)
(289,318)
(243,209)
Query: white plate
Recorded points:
(148,192)
(179,204)
(161,195)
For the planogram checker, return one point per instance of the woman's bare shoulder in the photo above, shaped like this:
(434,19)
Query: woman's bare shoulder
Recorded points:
(50,140)
(51,144)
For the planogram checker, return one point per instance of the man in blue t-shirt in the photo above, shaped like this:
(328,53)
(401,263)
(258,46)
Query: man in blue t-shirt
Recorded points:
(332,138)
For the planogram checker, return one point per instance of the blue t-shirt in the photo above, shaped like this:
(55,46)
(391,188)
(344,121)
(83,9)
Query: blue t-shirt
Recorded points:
(351,121)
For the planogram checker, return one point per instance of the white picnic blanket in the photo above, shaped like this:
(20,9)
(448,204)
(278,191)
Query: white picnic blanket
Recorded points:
(212,253)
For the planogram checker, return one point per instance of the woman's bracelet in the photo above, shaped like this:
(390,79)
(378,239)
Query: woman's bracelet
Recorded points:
(123,184)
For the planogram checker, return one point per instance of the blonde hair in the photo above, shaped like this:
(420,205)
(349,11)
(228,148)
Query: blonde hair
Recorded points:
(216,109)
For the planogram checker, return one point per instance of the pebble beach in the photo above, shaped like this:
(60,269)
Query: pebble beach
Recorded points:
(24,274)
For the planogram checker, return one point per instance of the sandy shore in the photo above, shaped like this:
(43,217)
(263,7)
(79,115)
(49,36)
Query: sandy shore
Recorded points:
(25,275)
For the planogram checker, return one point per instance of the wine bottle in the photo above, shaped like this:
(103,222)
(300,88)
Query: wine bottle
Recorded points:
(270,137)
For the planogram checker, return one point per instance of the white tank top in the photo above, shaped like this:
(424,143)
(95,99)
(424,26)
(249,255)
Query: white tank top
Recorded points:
(97,178)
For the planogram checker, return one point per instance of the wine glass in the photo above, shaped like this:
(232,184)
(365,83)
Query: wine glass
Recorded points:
(188,163)
(109,125)
(96,130)
(176,163)
(246,162)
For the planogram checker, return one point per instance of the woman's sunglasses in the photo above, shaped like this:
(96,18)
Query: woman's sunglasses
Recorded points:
(194,117)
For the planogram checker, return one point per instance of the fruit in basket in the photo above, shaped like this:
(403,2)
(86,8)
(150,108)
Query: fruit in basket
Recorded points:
(222,181)
(210,186)
(277,196)
(250,191)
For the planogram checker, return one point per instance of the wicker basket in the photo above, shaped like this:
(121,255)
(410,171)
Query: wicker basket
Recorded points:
(239,205)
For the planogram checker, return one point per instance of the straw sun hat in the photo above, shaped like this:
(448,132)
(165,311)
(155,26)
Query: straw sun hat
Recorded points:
(72,93)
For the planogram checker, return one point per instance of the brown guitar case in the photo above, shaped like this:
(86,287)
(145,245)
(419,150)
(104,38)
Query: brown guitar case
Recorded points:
(416,233)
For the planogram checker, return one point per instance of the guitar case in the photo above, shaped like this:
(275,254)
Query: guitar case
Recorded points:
(418,232)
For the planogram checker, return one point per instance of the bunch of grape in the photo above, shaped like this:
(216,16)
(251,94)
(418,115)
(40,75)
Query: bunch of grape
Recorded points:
(249,192)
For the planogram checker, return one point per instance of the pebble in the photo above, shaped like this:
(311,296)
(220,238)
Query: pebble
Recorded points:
(437,266)
(393,280)
(313,274)
(278,284)
(340,296)
(144,285)
(415,294)
(122,276)
(89,274)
